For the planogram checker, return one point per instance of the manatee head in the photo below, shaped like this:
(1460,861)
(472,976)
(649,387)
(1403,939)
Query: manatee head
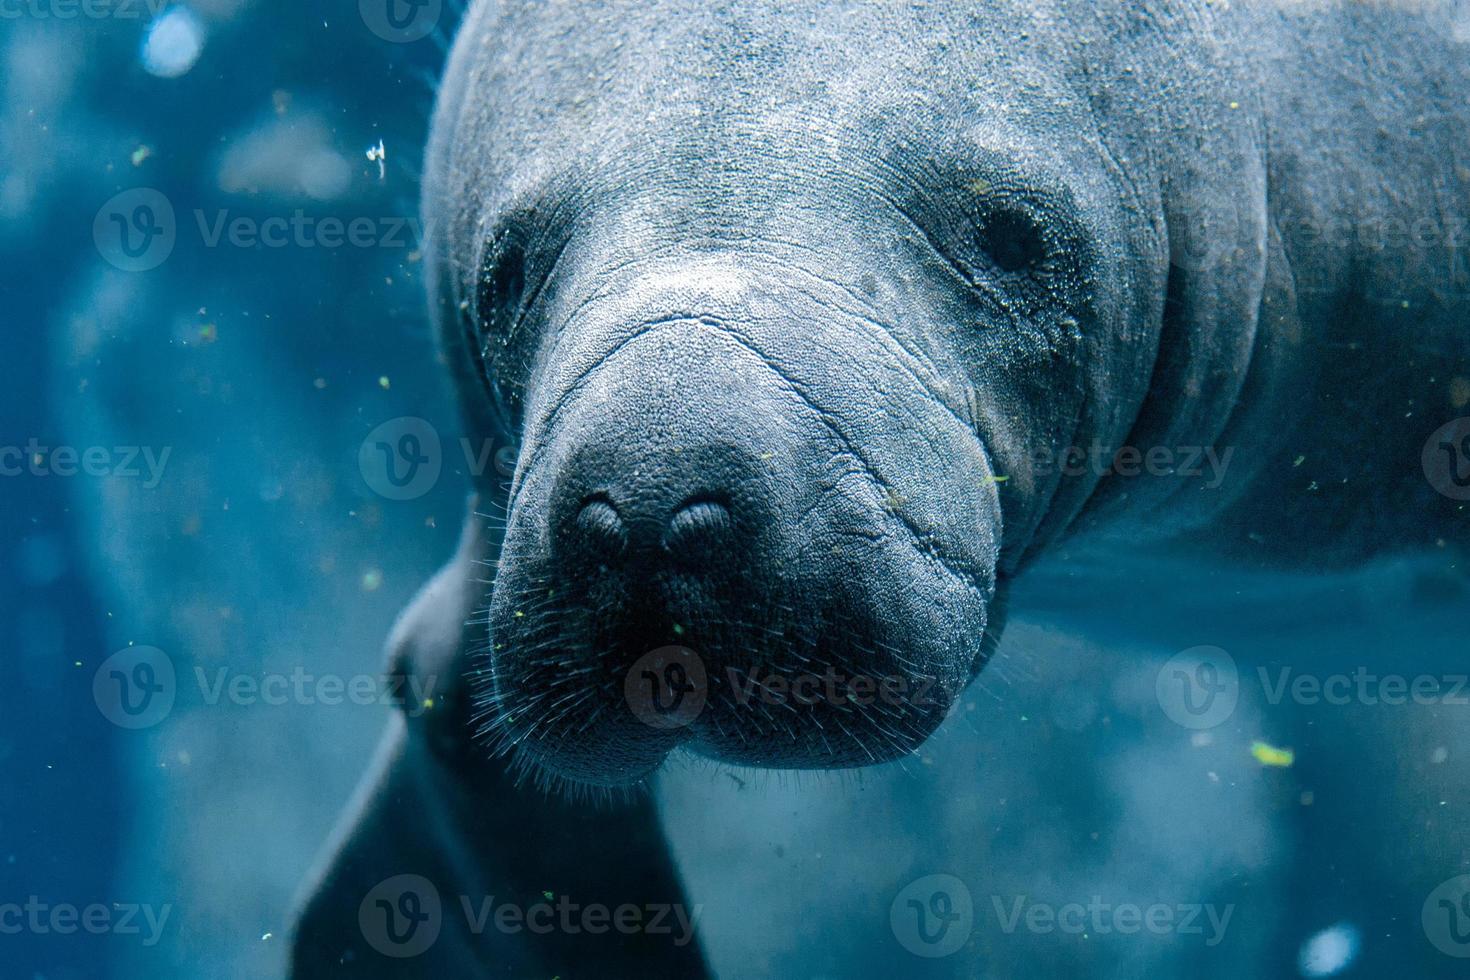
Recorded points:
(778,311)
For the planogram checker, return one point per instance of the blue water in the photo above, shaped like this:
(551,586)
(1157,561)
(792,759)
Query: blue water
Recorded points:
(183,298)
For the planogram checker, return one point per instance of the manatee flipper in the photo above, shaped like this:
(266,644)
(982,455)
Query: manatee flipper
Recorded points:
(440,840)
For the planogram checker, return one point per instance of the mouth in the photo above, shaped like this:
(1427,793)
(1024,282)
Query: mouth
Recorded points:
(697,555)
(595,682)
(809,634)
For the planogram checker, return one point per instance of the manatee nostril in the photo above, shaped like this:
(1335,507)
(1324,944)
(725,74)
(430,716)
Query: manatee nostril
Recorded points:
(601,528)
(697,524)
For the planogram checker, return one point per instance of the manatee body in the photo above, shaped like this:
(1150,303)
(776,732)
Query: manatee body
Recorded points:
(816,326)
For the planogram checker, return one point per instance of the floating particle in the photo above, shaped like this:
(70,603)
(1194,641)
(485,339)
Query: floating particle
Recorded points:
(1269,755)
(173,43)
(319,384)
(142,153)
(379,155)
(208,333)
(372,580)
(1330,951)
(384,383)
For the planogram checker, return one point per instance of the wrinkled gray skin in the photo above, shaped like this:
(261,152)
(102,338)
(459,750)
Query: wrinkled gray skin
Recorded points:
(782,305)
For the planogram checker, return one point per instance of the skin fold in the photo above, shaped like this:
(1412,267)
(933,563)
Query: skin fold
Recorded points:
(817,326)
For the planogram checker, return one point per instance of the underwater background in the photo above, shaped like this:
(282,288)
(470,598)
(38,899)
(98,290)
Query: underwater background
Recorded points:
(213,313)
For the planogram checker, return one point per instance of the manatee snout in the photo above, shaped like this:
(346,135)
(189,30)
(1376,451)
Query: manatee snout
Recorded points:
(706,546)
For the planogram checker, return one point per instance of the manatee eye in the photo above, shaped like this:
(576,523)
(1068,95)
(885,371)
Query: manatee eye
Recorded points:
(1013,241)
(489,322)
(501,286)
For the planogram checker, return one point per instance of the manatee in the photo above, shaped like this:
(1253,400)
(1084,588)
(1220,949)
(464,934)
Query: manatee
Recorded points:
(817,325)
